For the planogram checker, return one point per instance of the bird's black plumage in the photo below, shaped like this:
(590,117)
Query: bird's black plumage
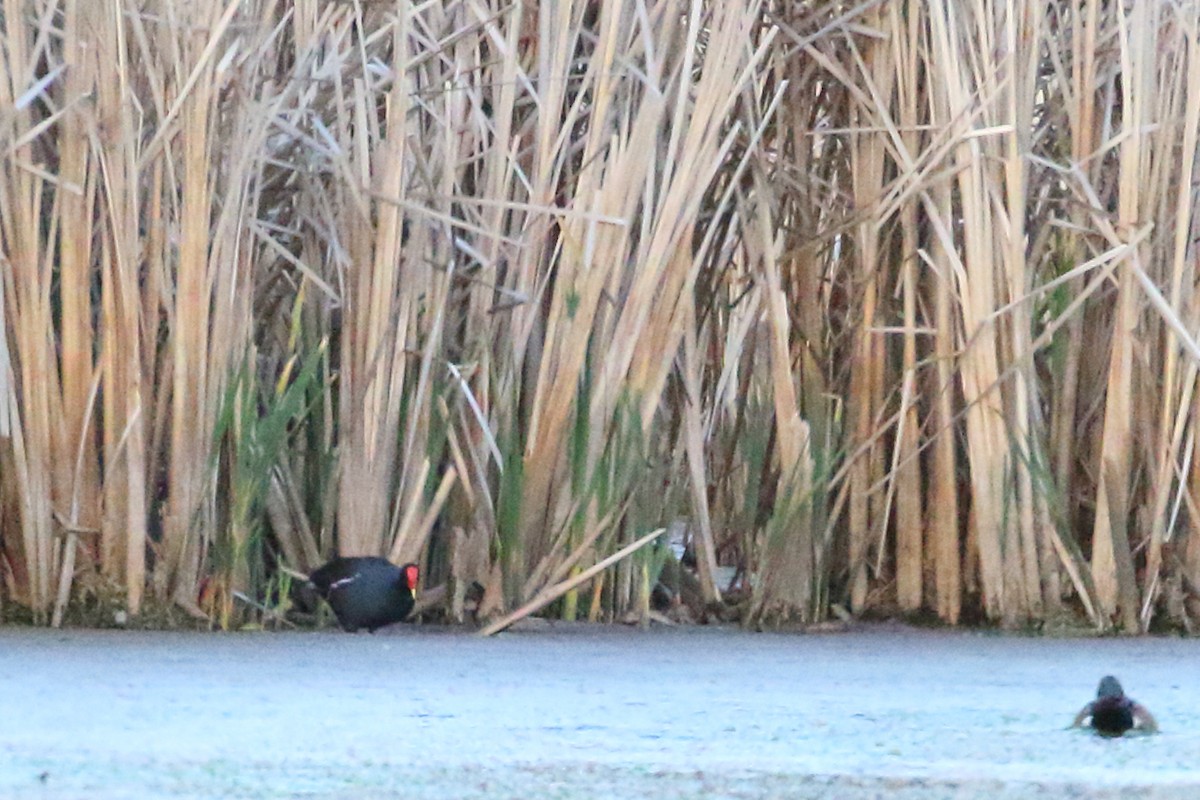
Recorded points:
(1112,713)
(366,591)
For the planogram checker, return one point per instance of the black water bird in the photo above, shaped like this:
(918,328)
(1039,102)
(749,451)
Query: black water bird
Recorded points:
(367,591)
(1112,713)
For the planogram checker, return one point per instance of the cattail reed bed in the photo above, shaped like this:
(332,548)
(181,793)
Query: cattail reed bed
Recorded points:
(885,307)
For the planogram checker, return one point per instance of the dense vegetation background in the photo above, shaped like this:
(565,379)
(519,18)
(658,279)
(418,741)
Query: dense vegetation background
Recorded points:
(890,305)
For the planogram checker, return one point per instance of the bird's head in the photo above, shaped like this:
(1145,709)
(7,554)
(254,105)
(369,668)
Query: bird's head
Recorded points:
(411,574)
(1110,687)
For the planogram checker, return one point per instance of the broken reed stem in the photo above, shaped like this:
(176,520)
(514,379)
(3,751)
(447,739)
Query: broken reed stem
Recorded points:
(552,593)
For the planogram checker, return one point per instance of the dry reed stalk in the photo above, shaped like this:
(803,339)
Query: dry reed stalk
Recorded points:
(184,542)
(1111,560)
(189,59)
(1190,567)
(598,263)
(551,593)
(1082,123)
(970,78)
(1183,275)
(865,399)
(1176,309)
(115,147)
(944,528)
(75,210)
(883,126)
(693,436)
(285,510)
(8,397)
(581,279)
(787,583)
(943,524)
(37,439)
(1023,37)
(910,514)
(378,311)
(729,64)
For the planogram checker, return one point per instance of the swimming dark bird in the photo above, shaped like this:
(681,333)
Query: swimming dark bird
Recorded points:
(1112,713)
(367,591)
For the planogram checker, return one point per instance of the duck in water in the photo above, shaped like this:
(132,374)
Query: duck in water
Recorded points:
(1112,713)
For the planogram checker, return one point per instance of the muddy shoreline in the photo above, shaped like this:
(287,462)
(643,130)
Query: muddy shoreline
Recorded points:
(580,711)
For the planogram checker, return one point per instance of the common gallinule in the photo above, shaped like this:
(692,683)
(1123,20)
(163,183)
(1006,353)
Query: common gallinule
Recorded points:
(1112,713)
(367,591)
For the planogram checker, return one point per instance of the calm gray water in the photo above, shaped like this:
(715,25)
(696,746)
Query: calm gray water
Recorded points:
(579,712)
